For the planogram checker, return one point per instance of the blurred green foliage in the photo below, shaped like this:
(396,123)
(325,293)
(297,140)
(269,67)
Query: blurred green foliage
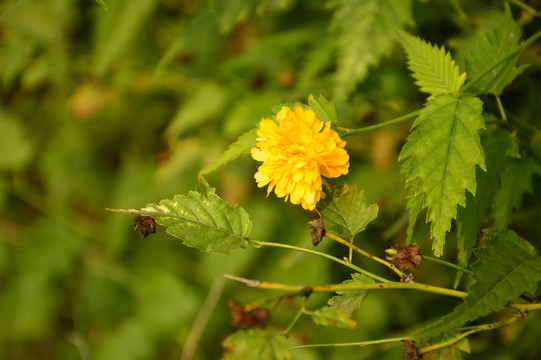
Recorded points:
(122,105)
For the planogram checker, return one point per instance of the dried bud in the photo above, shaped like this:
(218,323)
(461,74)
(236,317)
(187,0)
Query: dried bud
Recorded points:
(317,232)
(144,225)
(410,352)
(407,279)
(242,319)
(407,257)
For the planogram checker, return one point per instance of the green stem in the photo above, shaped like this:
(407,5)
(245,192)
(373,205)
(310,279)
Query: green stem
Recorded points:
(335,259)
(515,51)
(348,287)
(347,132)
(524,7)
(525,307)
(359,343)
(446,263)
(296,318)
(480,328)
(500,107)
(364,253)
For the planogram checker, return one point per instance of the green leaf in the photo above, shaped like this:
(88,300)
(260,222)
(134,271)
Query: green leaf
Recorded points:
(507,266)
(331,316)
(348,301)
(323,108)
(491,46)
(239,148)
(440,157)
(498,144)
(103,4)
(516,181)
(205,222)
(433,67)
(257,344)
(363,36)
(203,186)
(345,210)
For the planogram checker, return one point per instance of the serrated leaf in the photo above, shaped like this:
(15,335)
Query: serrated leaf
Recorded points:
(492,46)
(203,186)
(363,36)
(432,67)
(331,316)
(203,221)
(323,108)
(507,266)
(516,181)
(345,210)
(239,148)
(348,301)
(257,344)
(440,157)
(497,145)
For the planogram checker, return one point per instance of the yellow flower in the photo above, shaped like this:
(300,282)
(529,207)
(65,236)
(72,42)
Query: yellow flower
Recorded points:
(295,153)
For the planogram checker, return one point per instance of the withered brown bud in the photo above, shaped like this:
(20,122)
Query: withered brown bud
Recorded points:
(407,279)
(407,257)
(242,319)
(317,232)
(144,225)
(410,352)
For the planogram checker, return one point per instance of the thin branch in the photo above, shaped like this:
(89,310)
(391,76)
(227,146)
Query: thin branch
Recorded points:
(348,287)
(335,259)
(364,253)
(359,343)
(347,132)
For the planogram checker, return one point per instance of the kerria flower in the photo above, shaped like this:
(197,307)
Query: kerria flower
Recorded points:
(296,152)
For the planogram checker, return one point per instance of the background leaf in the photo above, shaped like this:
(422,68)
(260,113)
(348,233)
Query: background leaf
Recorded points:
(491,46)
(364,36)
(205,222)
(432,67)
(516,181)
(498,146)
(434,160)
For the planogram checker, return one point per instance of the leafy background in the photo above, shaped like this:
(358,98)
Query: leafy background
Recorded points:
(117,108)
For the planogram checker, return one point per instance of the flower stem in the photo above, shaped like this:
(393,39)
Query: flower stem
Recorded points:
(347,132)
(359,343)
(362,252)
(446,263)
(497,63)
(335,259)
(348,287)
